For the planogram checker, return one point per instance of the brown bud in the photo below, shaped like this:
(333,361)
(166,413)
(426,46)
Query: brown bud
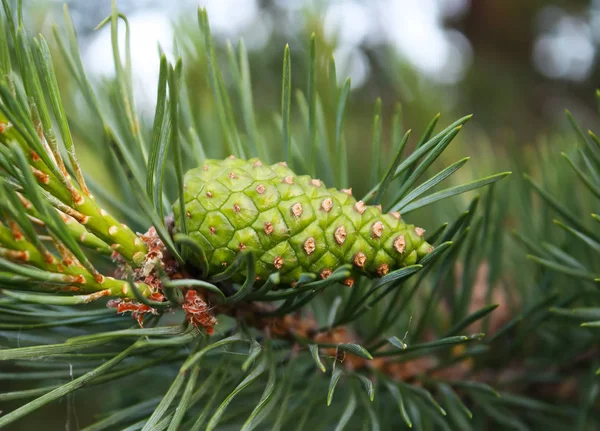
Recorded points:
(260,189)
(241,246)
(349,282)
(278,262)
(377,230)
(395,214)
(297,210)
(18,255)
(205,167)
(34,156)
(419,231)
(309,246)
(288,180)
(340,235)
(212,230)
(268,228)
(360,207)
(315,183)
(284,164)
(232,175)
(325,273)
(360,259)
(400,244)
(188,214)
(209,195)
(383,269)
(257,164)
(236,208)
(41,176)
(232,157)
(347,191)
(326,205)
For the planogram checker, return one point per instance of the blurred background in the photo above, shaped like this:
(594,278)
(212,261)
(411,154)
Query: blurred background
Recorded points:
(515,65)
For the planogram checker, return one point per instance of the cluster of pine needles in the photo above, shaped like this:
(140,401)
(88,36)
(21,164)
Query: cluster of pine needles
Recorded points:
(458,341)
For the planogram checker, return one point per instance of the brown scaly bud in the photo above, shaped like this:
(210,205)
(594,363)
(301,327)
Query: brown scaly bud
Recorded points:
(297,210)
(278,262)
(340,235)
(383,269)
(400,244)
(376,229)
(309,246)
(360,259)
(326,273)
(268,228)
(360,207)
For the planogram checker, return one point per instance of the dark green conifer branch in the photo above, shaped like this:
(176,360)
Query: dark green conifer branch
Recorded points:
(236,321)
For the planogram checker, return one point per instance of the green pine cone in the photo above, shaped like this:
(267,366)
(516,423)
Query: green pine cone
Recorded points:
(293,224)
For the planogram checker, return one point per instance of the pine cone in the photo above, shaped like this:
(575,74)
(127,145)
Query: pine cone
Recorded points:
(293,224)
